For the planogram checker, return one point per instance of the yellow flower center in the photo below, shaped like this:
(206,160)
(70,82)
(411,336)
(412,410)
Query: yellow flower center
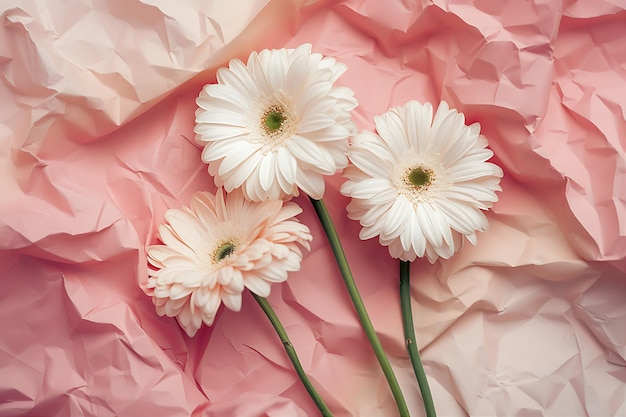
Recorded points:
(420,177)
(224,250)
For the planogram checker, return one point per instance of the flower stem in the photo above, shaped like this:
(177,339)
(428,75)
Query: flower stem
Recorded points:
(291,352)
(409,336)
(342,262)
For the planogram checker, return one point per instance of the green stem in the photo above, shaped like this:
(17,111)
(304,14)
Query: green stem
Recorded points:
(342,262)
(291,352)
(409,335)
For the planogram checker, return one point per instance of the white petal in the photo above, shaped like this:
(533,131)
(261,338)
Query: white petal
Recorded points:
(239,77)
(405,239)
(208,101)
(286,168)
(434,227)
(370,154)
(333,133)
(312,184)
(375,214)
(427,225)
(321,105)
(313,92)
(448,133)
(385,193)
(418,240)
(237,157)
(423,119)
(467,172)
(220,117)
(472,238)
(216,132)
(251,189)
(459,149)
(256,68)
(276,71)
(315,121)
(462,218)
(218,150)
(395,218)
(231,95)
(431,254)
(391,130)
(370,188)
(297,74)
(267,172)
(308,152)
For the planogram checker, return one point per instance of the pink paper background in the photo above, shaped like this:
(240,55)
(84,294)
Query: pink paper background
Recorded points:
(96,142)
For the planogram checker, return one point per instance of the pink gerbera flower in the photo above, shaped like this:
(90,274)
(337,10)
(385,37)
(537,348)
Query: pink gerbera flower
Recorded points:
(217,247)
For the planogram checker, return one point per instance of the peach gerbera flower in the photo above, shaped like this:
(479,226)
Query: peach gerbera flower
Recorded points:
(216,248)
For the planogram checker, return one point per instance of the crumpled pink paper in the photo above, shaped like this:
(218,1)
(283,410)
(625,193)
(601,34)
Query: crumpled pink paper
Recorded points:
(96,142)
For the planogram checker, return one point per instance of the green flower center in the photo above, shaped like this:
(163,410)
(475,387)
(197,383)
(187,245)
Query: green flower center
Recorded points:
(273,119)
(420,177)
(224,250)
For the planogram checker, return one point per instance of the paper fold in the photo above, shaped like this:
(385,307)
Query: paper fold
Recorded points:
(96,143)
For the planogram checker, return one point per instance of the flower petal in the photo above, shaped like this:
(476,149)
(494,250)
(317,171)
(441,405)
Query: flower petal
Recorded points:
(308,152)
(312,184)
(232,300)
(257,285)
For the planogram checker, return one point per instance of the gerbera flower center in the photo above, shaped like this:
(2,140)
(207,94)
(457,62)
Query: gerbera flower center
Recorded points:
(420,177)
(273,119)
(275,123)
(224,250)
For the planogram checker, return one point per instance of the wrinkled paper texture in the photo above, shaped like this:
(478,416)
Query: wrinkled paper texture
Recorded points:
(96,142)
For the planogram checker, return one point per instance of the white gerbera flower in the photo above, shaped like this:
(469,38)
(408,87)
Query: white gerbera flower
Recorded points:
(421,183)
(216,248)
(275,124)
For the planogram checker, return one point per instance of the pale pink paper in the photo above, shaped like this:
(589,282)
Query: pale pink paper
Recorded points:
(97,142)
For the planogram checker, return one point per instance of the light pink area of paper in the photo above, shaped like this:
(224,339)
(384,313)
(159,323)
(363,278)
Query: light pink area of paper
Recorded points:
(96,142)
